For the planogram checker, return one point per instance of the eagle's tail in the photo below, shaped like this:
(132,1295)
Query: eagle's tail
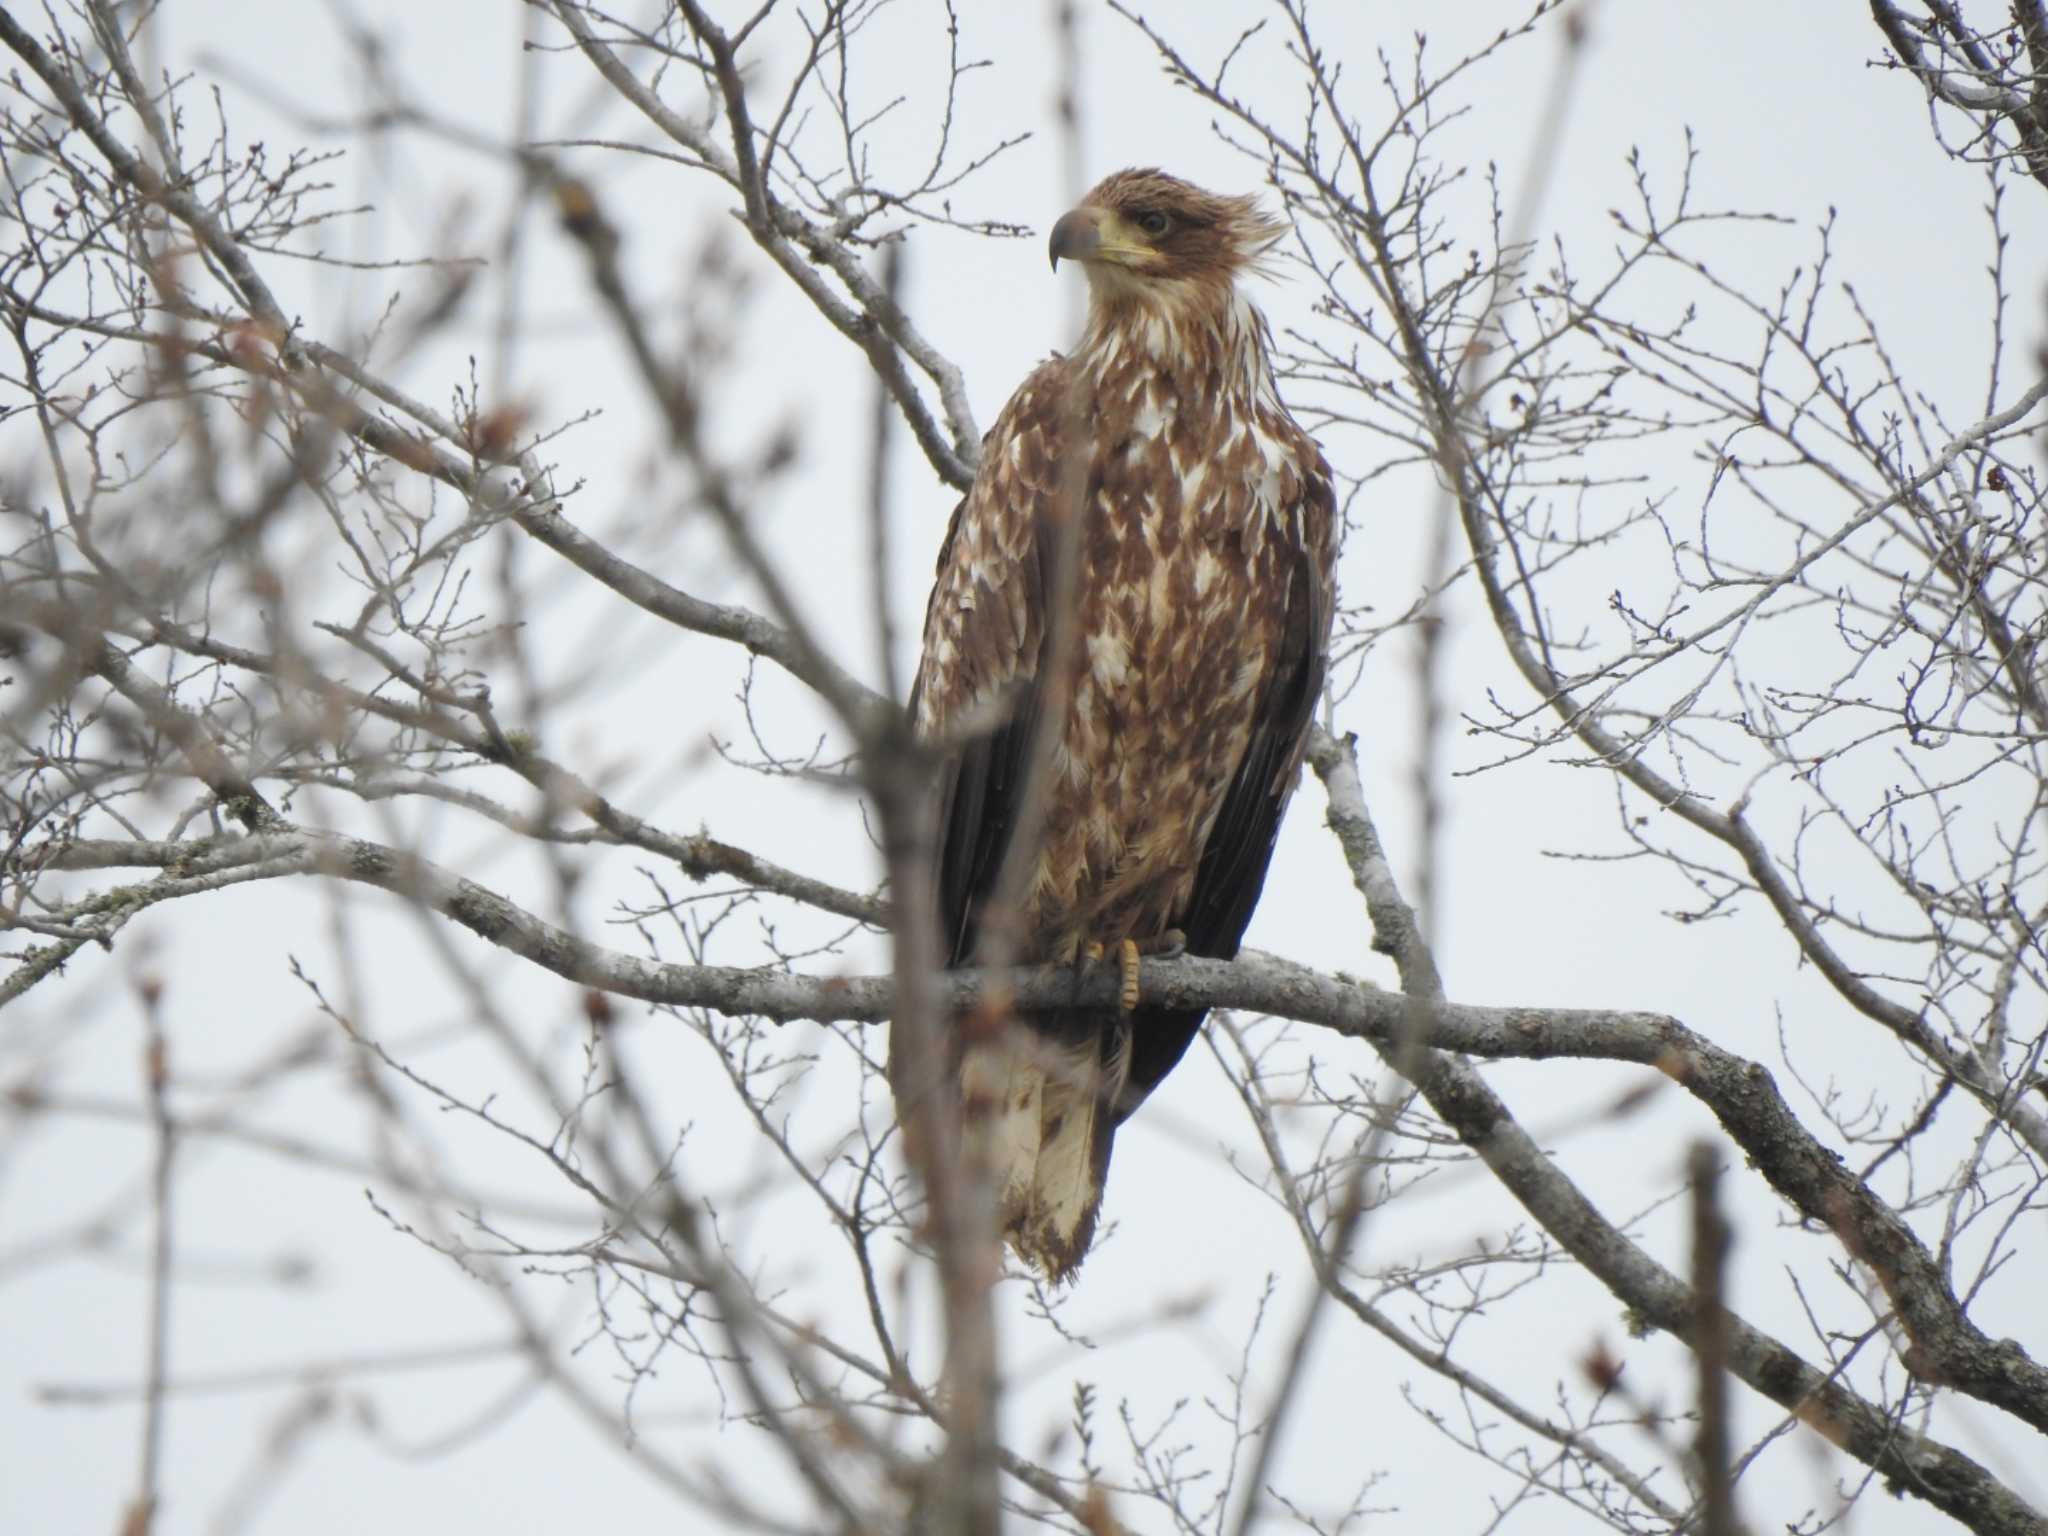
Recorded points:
(1039,1103)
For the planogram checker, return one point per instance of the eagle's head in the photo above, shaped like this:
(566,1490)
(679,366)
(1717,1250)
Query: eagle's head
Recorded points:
(1144,235)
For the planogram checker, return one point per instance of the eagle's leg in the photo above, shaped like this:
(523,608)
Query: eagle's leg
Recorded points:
(1162,945)
(1127,953)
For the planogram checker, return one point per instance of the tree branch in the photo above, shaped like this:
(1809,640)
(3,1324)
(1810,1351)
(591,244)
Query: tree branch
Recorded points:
(1746,1101)
(798,246)
(1951,1350)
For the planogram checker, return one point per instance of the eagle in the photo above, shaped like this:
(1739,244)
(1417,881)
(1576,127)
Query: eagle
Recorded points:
(1200,543)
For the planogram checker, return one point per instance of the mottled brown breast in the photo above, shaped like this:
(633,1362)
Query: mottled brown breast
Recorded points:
(1204,510)
(1183,590)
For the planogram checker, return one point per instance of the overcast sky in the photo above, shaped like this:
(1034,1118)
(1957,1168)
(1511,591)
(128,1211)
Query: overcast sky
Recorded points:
(1787,116)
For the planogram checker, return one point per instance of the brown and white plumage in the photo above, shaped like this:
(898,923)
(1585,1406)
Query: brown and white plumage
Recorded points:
(1204,596)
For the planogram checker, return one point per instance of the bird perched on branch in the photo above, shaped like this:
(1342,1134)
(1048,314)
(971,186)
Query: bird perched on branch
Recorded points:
(1125,643)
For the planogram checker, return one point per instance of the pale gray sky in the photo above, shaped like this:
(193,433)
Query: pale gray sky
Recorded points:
(1787,116)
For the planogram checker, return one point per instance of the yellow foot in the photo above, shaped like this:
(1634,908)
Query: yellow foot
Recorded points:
(1127,953)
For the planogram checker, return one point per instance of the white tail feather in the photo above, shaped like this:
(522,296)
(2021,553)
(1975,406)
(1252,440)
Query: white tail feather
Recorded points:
(1001,1088)
(1031,1105)
(1066,1188)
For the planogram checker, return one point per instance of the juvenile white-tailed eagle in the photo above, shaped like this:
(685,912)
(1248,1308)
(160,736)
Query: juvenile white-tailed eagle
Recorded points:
(1204,594)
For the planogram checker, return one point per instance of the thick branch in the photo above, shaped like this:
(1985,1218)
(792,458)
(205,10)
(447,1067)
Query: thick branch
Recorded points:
(1949,1348)
(1742,1095)
(1747,1103)
(1976,85)
(1395,930)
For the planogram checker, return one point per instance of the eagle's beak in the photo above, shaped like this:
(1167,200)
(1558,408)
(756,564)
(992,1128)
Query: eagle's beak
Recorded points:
(1077,236)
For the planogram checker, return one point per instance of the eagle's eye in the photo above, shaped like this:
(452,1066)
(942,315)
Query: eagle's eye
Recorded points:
(1153,222)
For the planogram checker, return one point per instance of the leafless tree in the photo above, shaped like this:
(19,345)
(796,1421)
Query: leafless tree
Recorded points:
(1986,79)
(321,612)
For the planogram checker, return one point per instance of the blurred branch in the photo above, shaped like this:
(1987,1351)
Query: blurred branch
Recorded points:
(141,1516)
(1739,1093)
(799,246)
(675,392)
(1714,1446)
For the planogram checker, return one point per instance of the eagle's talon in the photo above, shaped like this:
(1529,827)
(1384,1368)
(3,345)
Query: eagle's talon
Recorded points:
(1169,944)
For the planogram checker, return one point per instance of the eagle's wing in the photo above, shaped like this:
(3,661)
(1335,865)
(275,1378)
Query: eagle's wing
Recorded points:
(1234,859)
(983,636)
